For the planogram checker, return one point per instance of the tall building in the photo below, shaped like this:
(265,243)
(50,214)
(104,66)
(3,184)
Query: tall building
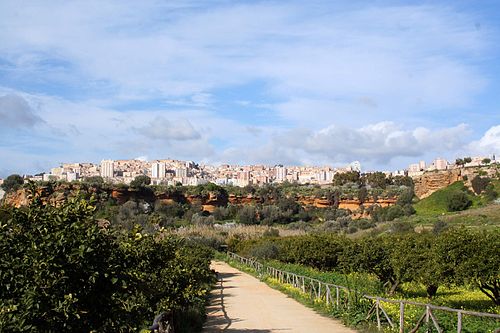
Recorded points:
(181,172)
(414,167)
(107,168)
(441,164)
(281,174)
(158,170)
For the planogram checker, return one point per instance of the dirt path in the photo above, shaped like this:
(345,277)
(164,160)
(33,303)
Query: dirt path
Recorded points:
(242,303)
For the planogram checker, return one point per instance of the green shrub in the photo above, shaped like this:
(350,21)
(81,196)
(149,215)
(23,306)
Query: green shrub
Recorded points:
(60,272)
(457,201)
(479,184)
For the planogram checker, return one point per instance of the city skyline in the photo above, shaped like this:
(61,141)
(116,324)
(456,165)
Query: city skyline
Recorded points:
(173,172)
(322,83)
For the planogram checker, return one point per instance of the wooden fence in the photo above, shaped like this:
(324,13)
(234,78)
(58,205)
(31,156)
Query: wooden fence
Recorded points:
(339,296)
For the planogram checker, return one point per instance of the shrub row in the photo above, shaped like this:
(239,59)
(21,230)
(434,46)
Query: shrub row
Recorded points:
(453,257)
(60,272)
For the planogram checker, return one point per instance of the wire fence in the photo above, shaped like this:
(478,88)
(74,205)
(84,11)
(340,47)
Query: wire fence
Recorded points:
(340,297)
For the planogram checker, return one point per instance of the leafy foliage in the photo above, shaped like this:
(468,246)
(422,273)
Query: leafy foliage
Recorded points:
(12,183)
(458,200)
(451,257)
(60,272)
(479,184)
(140,181)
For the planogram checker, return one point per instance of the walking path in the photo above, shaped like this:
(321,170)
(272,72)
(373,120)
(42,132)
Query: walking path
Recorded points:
(242,303)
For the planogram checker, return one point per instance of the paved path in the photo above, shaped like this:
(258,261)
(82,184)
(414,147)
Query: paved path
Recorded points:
(242,303)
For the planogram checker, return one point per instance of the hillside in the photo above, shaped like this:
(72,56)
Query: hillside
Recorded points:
(435,204)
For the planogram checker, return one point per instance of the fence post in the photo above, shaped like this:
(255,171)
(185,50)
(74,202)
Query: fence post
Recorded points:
(427,309)
(378,313)
(459,322)
(338,296)
(401,317)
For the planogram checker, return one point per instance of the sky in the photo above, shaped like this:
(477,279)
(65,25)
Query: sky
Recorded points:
(386,83)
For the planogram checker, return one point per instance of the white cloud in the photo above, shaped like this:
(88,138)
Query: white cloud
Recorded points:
(165,130)
(388,53)
(326,76)
(377,144)
(488,144)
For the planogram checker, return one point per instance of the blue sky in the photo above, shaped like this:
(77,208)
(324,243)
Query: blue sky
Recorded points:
(306,82)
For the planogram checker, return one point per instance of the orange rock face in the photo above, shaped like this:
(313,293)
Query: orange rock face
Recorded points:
(209,202)
(430,182)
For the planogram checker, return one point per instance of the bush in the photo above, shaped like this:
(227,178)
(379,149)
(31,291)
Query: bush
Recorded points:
(479,184)
(60,272)
(490,192)
(12,183)
(265,250)
(140,181)
(271,232)
(247,215)
(457,201)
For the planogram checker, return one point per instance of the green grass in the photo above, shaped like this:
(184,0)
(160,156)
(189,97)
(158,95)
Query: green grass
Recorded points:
(435,204)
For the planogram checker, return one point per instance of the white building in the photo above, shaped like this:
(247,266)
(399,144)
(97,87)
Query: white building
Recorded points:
(158,170)
(107,168)
(281,174)
(415,167)
(181,172)
(71,176)
(440,164)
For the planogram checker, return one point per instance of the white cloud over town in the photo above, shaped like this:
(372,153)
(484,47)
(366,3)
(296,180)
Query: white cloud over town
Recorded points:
(267,82)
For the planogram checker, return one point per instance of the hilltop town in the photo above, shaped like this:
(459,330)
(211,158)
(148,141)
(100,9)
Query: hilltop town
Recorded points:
(174,172)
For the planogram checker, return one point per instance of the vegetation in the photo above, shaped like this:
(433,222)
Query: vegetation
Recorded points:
(140,181)
(12,183)
(438,202)
(452,257)
(59,271)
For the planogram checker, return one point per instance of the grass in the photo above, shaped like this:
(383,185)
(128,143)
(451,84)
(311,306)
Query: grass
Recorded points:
(435,204)
(454,297)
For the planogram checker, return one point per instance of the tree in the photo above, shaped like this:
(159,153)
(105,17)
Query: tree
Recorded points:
(94,180)
(471,257)
(406,196)
(247,215)
(457,201)
(459,162)
(61,273)
(490,192)
(270,215)
(342,178)
(479,184)
(486,161)
(467,160)
(371,255)
(362,194)
(140,181)
(413,259)
(403,181)
(376,179)
(12,183)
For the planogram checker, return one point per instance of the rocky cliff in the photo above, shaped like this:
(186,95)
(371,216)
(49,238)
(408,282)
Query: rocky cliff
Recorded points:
(209,201)
(430,182)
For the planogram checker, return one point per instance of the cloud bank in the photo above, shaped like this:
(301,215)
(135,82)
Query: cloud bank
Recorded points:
(259,82)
